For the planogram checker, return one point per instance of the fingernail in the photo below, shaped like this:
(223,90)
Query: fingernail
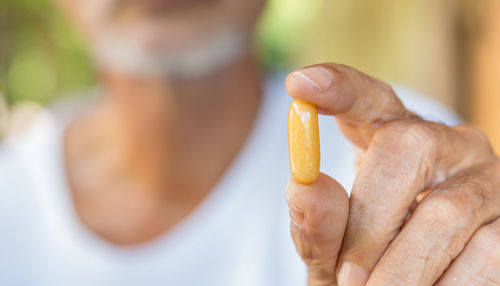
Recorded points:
(315,78)
(352,275)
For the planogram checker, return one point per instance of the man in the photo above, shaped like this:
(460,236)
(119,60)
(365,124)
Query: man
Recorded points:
(174,173)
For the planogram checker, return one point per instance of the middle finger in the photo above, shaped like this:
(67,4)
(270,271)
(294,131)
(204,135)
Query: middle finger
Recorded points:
(405,157)
(439,228)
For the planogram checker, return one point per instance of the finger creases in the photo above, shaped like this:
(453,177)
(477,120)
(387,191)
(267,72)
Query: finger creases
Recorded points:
(406,157)
(479,262)
(439,229)
(319,215)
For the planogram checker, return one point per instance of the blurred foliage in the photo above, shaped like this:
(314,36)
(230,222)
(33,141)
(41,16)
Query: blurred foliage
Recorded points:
(410,42)
(284,30)
(423,44)
(40,55)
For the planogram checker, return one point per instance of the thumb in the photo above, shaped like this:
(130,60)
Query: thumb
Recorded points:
(319,216)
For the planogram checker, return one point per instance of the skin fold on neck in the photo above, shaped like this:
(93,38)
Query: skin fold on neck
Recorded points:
(153,149)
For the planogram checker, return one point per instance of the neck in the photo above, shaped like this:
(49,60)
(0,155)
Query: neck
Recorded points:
(157,144)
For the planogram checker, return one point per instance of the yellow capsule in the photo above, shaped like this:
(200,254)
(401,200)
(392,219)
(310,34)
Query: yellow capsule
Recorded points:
(303,141)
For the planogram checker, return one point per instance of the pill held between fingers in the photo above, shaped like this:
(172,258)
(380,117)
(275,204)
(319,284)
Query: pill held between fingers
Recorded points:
(303,141)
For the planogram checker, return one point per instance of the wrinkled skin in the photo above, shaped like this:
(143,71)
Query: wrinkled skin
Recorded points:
(425,202)
(392,227)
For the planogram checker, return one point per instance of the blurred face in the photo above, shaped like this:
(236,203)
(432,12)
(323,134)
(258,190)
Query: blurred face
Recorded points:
(179,37)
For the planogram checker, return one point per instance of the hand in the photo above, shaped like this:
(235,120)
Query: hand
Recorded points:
(425,202)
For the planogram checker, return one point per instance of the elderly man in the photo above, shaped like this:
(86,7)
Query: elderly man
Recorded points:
(173,174)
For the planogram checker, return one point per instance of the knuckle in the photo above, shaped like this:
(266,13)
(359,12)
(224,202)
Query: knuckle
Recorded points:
(411,141)
(413,133)
(471,188)
(463,202)
(441,210)
(477,192)
(473,194)
(420,134)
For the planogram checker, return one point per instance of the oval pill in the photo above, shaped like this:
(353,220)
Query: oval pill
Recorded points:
(303,141)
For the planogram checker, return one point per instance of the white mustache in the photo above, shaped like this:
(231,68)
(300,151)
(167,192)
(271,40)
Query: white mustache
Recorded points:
(198,59)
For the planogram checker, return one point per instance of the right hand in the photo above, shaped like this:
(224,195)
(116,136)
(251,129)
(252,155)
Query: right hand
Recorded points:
(424,206)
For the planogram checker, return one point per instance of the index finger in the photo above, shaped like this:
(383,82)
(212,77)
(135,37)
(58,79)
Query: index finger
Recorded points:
(360,103)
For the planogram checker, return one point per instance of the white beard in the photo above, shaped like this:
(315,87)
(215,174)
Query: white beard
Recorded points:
(207,55)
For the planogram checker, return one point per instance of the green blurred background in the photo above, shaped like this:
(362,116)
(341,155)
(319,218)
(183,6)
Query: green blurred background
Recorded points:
(40,55)
(37,46)
(447,49)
